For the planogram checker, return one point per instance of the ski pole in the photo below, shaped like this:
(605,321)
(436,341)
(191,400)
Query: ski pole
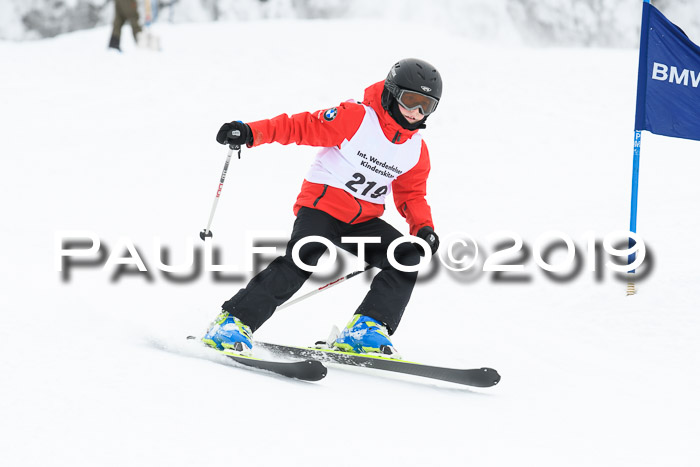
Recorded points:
(207,232)
(324,287)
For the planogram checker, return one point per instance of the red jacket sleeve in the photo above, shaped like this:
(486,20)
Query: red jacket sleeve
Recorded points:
(325,128)
(409,193)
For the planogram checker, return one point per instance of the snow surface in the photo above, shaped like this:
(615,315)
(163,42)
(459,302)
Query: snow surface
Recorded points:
(94,371)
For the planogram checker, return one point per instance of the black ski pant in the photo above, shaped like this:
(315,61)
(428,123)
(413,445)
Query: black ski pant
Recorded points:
(390,289)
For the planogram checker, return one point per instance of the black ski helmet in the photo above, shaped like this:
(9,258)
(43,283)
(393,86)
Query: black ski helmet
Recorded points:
(412,74)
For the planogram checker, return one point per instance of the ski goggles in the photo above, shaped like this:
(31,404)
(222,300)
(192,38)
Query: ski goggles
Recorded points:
(412,100)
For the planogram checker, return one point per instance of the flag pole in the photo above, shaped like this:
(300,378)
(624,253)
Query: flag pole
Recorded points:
(631,288)
(635,185)
(640,116)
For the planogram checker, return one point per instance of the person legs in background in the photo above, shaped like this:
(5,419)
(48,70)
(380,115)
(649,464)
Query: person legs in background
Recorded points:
(124,10)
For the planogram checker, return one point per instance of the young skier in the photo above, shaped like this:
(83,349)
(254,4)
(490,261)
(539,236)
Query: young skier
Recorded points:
(369,150)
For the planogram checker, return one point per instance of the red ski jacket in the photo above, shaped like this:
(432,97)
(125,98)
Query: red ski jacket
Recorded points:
(333,127)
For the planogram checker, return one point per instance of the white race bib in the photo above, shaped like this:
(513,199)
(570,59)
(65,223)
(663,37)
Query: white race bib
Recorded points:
(367,164)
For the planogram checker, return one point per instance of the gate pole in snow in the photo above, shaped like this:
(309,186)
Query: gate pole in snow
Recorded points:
(631,289)
(638,127)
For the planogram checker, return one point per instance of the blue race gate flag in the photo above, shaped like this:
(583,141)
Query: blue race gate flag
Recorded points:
(668,86)
(668,94)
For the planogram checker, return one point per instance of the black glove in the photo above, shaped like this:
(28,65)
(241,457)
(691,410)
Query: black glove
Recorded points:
(235,134)
(428,234)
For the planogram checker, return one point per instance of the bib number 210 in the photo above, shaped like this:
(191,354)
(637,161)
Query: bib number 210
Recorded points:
(359,179)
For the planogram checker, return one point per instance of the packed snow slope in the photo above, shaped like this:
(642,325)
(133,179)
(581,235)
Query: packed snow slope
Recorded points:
(94,369)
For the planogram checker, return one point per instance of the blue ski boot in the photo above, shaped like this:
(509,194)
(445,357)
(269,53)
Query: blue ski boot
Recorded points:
(365,335)
(229,335)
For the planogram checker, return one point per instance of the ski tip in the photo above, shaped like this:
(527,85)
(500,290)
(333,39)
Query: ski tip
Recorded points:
(491,377)
(315,370)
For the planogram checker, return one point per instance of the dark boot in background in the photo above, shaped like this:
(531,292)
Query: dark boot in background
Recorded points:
(114,43)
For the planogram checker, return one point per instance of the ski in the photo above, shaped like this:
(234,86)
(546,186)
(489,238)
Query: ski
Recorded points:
(305,370)
(477,377)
